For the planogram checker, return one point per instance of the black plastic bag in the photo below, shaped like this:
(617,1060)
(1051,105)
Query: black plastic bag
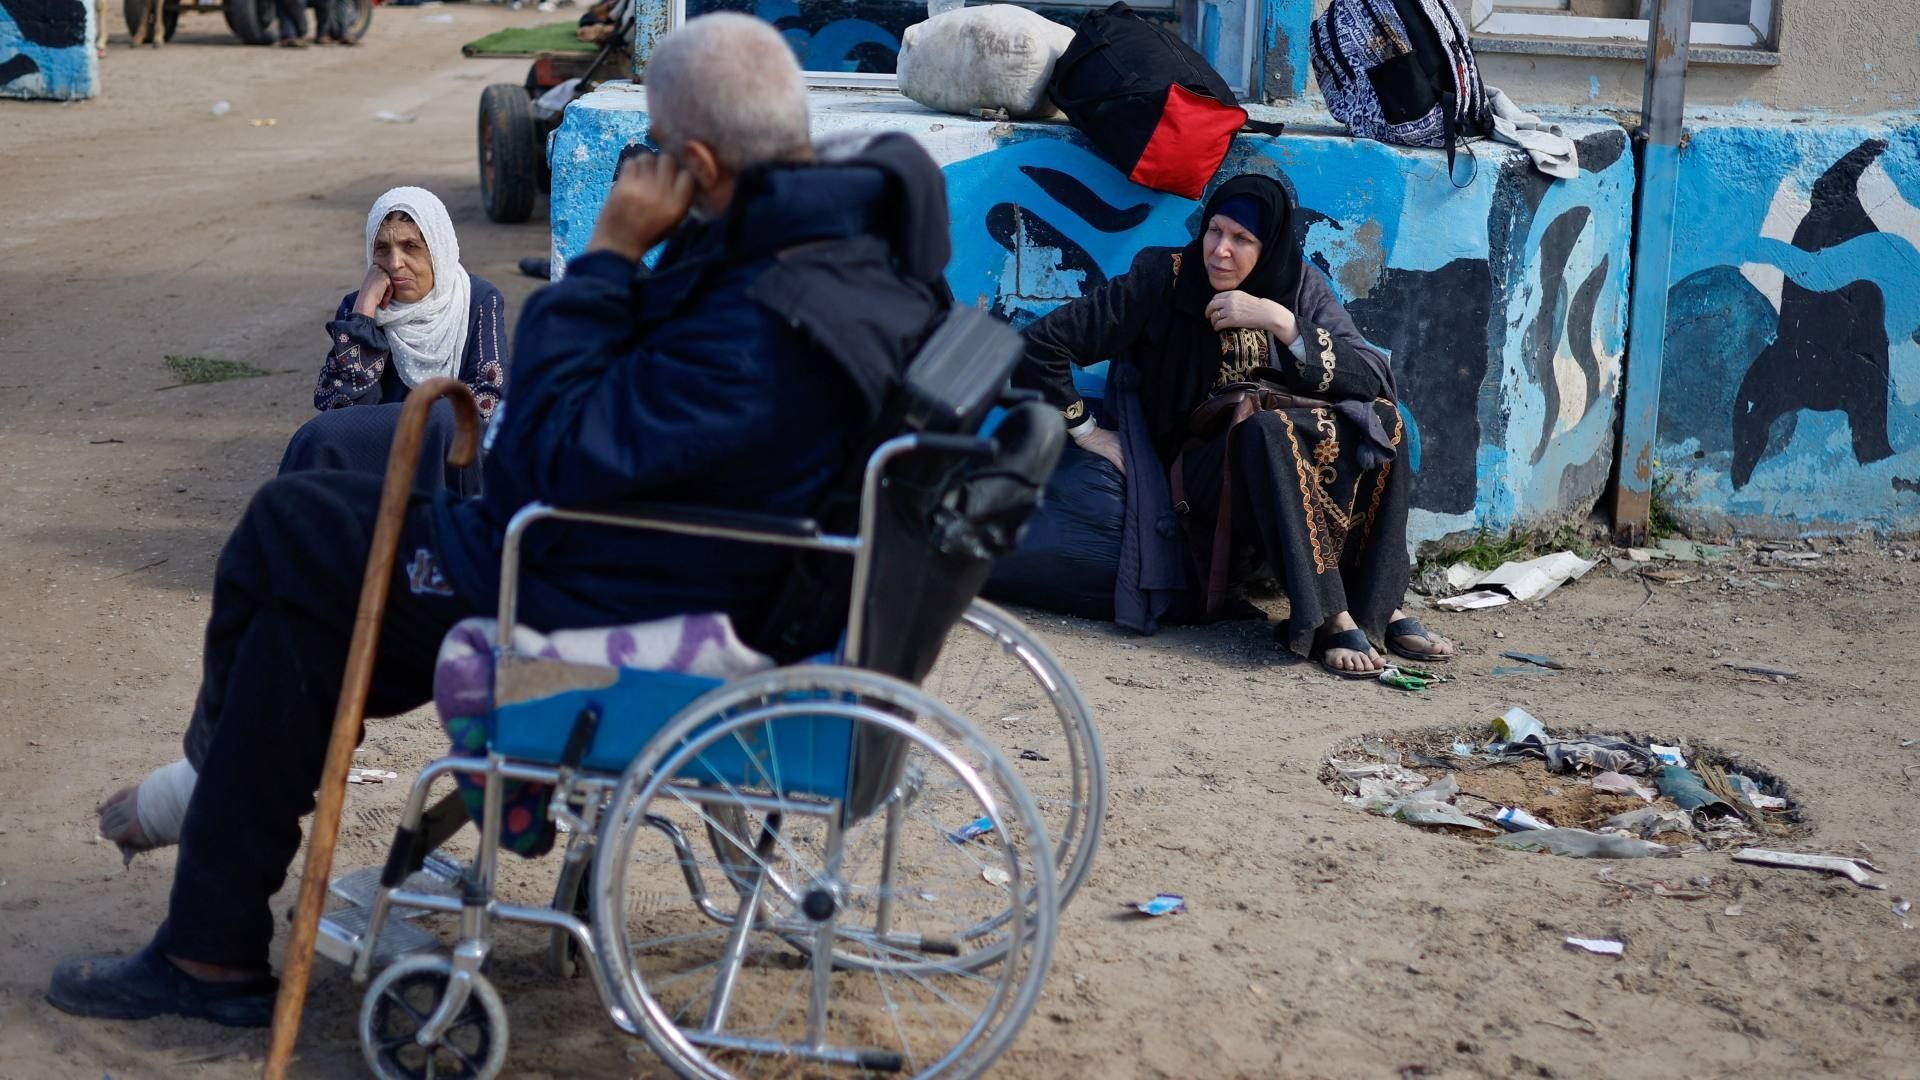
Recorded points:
(1070,555)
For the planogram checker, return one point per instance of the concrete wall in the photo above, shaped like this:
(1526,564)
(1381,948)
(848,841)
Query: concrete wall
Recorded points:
(46,49)
(1502,302)
(1852,56)
(1791,397)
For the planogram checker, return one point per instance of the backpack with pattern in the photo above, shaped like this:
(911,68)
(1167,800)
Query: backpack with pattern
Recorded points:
(1400,71)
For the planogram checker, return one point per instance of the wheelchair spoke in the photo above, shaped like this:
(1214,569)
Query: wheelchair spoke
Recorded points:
(891,987)
(893,1015)
(466,1062)
(779,835)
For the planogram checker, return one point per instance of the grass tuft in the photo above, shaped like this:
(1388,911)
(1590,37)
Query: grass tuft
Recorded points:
(193,370)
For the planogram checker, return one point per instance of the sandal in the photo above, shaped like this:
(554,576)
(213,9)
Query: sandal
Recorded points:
(1413,628)
(1355,640)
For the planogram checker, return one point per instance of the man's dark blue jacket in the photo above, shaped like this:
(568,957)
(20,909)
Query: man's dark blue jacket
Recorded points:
(741,373)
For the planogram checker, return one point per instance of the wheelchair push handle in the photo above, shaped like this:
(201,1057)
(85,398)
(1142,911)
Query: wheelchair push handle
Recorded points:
(967,446)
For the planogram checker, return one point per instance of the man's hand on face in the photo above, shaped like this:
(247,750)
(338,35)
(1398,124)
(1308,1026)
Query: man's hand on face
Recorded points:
(649,198)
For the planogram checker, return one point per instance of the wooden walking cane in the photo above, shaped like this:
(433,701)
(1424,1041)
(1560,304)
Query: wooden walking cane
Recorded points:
(402,463)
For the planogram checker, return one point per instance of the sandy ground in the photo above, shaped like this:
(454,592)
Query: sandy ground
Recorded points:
(1319,941)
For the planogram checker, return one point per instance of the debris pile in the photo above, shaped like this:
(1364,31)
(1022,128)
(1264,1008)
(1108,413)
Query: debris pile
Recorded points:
(1586,795)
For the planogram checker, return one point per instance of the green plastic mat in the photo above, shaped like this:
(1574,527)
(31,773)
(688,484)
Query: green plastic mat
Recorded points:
(527,41)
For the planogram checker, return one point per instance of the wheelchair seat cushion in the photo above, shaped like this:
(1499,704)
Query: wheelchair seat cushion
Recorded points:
(464,680)
(705,645)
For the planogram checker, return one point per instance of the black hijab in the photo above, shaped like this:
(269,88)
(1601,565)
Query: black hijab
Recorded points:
(1276,276)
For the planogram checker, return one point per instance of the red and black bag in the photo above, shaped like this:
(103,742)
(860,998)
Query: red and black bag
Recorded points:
(1149,103)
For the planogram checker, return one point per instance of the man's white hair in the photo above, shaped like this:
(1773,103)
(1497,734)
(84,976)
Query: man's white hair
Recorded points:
(730,81)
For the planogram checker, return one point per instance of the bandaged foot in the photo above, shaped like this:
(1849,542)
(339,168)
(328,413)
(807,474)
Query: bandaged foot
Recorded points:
(149,814)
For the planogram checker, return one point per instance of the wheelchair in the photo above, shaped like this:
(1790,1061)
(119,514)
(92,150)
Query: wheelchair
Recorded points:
(870,885)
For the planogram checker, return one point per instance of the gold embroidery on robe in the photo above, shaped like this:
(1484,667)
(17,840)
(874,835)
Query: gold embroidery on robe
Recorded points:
(1241,351)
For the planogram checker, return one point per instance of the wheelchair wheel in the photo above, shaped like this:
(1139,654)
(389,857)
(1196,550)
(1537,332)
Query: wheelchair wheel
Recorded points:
(1002,679)
(723,993)
(995,673)
(402,1000)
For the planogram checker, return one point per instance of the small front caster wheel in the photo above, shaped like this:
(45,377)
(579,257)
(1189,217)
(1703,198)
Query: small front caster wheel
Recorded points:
(404,1000)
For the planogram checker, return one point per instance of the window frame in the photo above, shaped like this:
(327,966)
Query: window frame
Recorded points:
(1759,33)
(817,79)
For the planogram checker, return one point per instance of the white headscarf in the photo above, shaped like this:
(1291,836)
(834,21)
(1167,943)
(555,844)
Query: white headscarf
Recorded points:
(428,337)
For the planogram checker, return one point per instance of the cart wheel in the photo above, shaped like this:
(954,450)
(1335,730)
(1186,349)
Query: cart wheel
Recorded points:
(398,1005)
(509,153)
(136,10)
(360,12)
(252,21)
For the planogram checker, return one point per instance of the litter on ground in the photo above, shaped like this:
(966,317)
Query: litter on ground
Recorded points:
(1519,785)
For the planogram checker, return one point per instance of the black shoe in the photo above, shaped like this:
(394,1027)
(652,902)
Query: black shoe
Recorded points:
(147,984)
(536,267)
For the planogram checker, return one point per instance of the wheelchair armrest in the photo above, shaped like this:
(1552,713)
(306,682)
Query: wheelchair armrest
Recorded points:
(640,514)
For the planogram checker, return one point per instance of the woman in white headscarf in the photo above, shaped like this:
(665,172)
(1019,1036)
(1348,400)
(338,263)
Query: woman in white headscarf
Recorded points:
(417,315)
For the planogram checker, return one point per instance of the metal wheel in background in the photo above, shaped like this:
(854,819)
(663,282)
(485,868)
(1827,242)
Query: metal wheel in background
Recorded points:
(1009,685)
(359,17)
(255,22)
(866,991)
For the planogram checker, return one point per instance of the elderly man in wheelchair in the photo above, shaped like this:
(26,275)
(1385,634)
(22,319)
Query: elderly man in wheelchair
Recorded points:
(764,463)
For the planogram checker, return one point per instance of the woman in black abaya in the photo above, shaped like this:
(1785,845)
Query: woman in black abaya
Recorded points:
(1273,417)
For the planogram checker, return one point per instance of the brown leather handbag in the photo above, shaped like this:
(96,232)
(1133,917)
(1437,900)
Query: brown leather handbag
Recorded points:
(1219,415)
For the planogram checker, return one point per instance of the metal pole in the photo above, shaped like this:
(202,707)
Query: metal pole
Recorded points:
(1661,113)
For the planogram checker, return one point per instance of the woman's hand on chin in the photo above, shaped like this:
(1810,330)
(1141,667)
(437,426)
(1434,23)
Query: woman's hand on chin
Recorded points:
(1235,310)
(376,289)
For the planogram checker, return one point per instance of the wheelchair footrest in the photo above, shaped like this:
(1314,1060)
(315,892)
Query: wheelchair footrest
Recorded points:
(440,876)
(343,930)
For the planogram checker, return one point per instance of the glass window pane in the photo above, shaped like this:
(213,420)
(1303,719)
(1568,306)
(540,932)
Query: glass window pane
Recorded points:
(1730,12)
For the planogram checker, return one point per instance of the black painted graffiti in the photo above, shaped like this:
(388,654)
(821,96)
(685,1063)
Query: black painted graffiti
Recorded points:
(1022,231)
(1083,203)
(1601,149)
(52,24)
(1563,308)
(1830,355)
(49,24)
(1434,323)
(17,66)
(1540,342)
(1830,350)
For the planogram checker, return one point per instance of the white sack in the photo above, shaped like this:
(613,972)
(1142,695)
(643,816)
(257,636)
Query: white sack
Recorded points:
(996,56)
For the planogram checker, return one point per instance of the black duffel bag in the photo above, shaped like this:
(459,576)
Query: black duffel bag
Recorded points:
(1070,555)
(1148,103)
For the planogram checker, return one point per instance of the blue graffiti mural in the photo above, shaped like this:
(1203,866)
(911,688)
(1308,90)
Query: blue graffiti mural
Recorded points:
(1501,304)
(1505,327)
(1793,377)
(46,49)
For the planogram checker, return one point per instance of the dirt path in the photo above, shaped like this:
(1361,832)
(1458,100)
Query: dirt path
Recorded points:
(1320,941)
